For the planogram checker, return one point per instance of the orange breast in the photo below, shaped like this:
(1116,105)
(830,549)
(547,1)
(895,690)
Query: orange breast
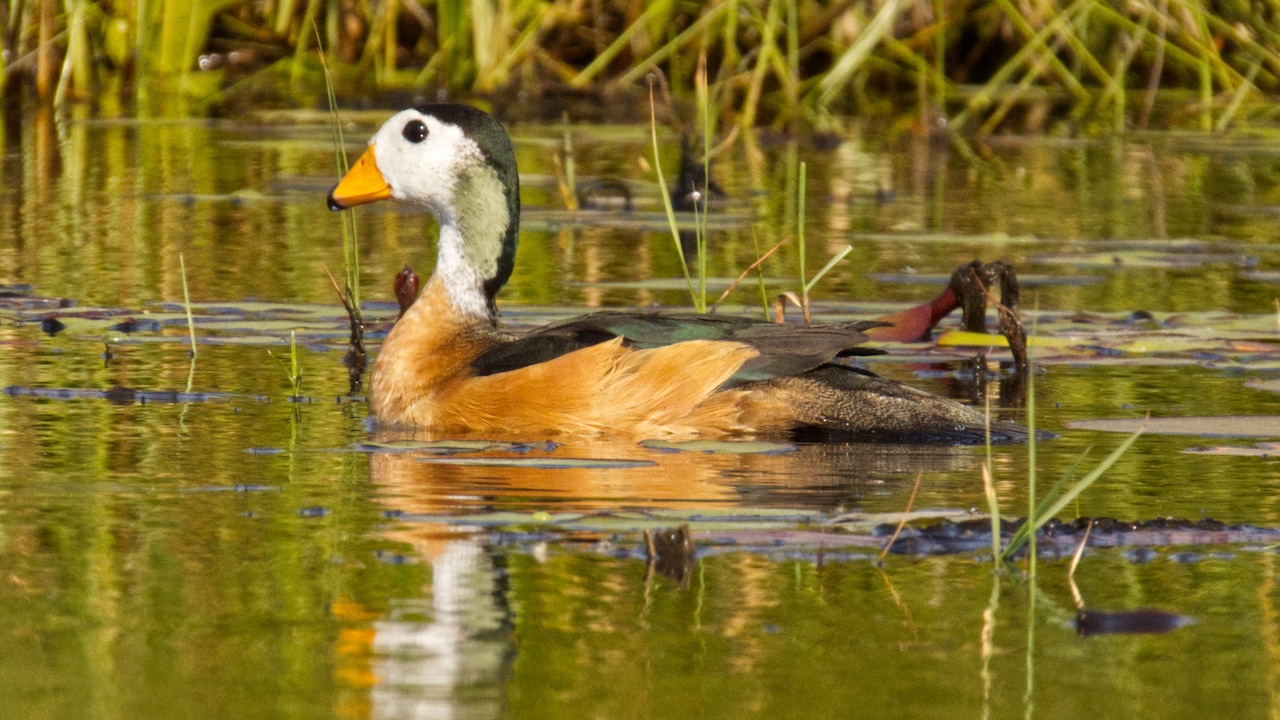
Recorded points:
(423,378)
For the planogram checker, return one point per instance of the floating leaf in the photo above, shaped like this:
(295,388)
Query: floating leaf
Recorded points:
(1216,426)
(997,238)
(667,283)
(1269,385)
(974,339)
(728,447)
(1264,450)
(1266,276)
(1167,344)
(496,519)
(433,446)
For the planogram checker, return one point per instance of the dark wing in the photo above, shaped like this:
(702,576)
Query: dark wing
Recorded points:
(787,349)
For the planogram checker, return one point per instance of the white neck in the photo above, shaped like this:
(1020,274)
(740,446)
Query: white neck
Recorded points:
(473,229)
(459,276)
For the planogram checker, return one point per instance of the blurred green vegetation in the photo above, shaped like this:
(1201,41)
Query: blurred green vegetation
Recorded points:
(978,65)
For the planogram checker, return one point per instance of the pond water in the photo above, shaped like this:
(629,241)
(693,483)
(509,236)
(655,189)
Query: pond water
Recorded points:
(226,552)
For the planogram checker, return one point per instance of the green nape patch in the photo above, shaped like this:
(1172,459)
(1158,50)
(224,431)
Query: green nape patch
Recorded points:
(1204,426)
(721,447)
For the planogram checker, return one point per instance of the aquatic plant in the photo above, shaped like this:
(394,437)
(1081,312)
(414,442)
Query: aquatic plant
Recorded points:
(357,357)
(1041,510)
(293,368)
(699,299)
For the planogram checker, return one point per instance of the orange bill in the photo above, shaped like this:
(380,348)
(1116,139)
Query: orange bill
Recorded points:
(362,184)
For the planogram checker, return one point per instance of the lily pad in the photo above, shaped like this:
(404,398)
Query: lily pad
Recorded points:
(722,447)
(1211,426)
(1264,450)
(948,238)
(669,283)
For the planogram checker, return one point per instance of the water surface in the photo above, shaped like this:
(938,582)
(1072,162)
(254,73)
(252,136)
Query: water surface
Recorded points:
(235,554)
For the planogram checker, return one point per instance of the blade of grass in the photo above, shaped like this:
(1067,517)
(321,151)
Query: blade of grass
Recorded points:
(1075,562)
(350,237)
(903,521)
(702,92)
(1237,98)
(993,509)
(603,59)
(940,55)
(827,268)
(804,288)
(1027,531)
(186,302)
(837,79)
(1055,492)
(295,375)
(989,487)
(666,200)
(1032,519)
(1026,56)
(700,27)
(742,276)
(357,357)
(768,29)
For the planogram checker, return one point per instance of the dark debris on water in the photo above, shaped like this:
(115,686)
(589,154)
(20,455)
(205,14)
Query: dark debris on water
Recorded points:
(1060,537)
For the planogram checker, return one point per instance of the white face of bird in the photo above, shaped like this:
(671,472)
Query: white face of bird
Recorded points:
(416,157)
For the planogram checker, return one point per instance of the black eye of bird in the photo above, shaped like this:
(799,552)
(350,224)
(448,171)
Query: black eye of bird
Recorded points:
(415,131)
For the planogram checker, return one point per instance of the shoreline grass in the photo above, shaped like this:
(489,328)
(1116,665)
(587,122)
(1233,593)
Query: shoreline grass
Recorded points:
(1098,67)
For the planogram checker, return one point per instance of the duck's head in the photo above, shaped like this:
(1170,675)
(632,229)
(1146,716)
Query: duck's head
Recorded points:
(457,162)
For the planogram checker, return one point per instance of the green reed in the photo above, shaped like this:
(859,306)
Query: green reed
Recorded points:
(294,368)
(1096,63)
(699,299)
